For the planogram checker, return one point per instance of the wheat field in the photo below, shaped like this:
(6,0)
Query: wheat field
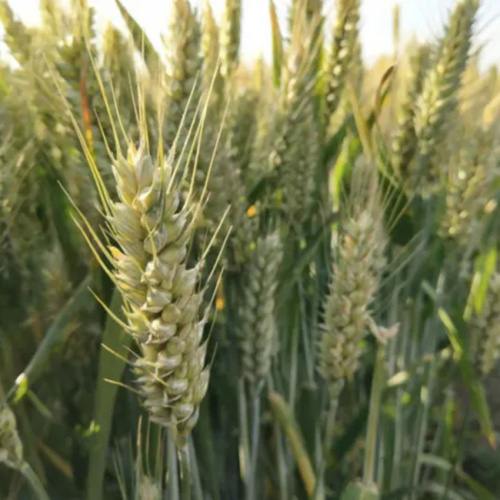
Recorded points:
(224,280)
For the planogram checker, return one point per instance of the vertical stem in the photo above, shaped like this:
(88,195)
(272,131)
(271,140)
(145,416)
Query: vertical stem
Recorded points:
(373,417)
(185,472)
(307,339)
(422,430)
(195,472)
(330,424)
(319,493)
(402,340)
(35,483)
(282,469)
(252,476)
(172,473)
(244,446)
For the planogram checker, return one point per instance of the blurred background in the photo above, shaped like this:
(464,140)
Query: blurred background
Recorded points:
(424,19)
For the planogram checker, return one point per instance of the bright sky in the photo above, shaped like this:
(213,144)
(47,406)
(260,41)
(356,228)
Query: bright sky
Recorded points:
(424,18)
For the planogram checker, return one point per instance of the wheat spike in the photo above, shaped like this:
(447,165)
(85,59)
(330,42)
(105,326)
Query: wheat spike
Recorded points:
(17,36)
(295,154)
(485,330)
(152,230)
(11,448)
(230,170)
(257,329)
(467,193)
(230,34)
(210,50)
(440,90)
(404,140)
(184,63)
(345,41)
(359,260)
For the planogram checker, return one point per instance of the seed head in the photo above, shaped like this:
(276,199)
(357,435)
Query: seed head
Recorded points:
(184,62)
(152,229)
(404,141)
(358,263)
(440,90)
(344,44)
(257,331)
(485,330)
(230,37)
(466,194)
(11,448)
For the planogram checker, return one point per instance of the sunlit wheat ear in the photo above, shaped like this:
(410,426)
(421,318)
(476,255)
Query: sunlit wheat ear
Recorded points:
(184,62)
(230,33)
(52,17)
(210,49)
(440,91)
(358,263)
(257,328)
(11,448)
(17,36)
(344,45)
(149,229)
(484,332)
(404,140)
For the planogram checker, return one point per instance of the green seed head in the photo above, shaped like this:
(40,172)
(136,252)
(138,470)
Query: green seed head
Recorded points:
(11,448)
(257,331)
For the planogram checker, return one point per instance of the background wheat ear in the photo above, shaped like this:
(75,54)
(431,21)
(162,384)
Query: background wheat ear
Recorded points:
(184,62)
(484,334)
(342,54)
(11,448)
(257,330)
(296,150)
(404,143)
(438,100)
(359,258)
(230,35)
